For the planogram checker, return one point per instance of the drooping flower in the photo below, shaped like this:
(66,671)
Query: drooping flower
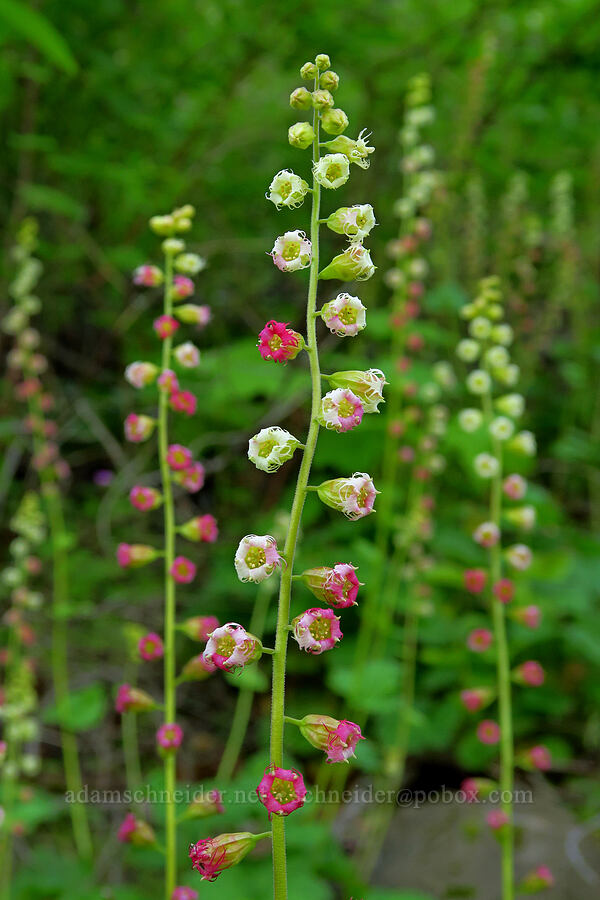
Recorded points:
(199,628)
(367,385)
(519,556)
(148,276)
(292,251)
(474,699)
(281,791)
(184,893)
(130,556)
(539,757)
(531,673)
(470,419)
(353,264)
(169,736)
(474,580)
(179,457)
(479,640)
(151,646)
(522,516)
(332,170)
(341,410)
(189,263)
(212,856)
(183,570)
(476,789)
(468,350)
(504,590)
(357,151)
(528,615)
(184,402)
(231,647)
(337,738)
(271,447)
(141,374)
(355,222)
(145,498)
(135,831)
(287,189)
(345,315)
(192,314)
(488,731)
(538,880)
(256,557)
(138,428)
(478,382)
(131,699)
(487,534)
(187,355)
(167,381)
(501,428)
(192,478)
(354,497)
(497,819)
(317,630)
(515,487)
(337,586)
(200,528)
(486,466)
(165,326)
(278,342)
(182,288)
(524,442)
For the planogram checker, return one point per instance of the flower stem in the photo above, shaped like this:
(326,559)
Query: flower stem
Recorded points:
(169,611)
(285,588)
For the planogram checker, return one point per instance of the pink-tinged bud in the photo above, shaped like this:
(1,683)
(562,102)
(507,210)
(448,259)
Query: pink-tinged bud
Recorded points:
(212,856)
(197,669)
(256,557)
(205,805)
(530,616)
(151,647)
(165,326)
(131,556)
(487,534)
(199,628)
(477,789)
(183,570)
(474,699)
(337,586)
(169,736)
(138,428)
(538,757)
(131,699)
(474,580)
(187,355)
(488,731)
(530,673)
(281,791)
(200,528)
(184,893)
(231,647)
(278,342)
(192,478)
(479,640)
(317,630)
(515,487)
(167,381)
(338,739)
(504,590)
(135,831)
(148,276)
(536,881)
(145,498)
(497,819)
(193,315)
(291,251)
(519,556)
(183,402)
(182,287)
(354,497)
(179,457)
(341,410)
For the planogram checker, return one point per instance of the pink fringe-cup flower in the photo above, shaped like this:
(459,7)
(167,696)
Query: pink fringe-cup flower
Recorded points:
(197,669)
(539,757)
(148,276)
(479,640)
(292,251)
(278,342)
(130,556)
(530,673)
(488,731)
(341,410)
(474,580)
(354,497)
(205,804)
(169,736)
(150,646)
(231,647)
(131,699)
(337,586)
(530,616)
(476,789)
(519,556)
(165,326)
(183,402)
(138,428)
(487,534)
(212,856)
(141,374)
(345,315)
(192,314)
(135,831)
(145,498)
(338,739)
(184,893)
(182,288)
(200,528)
(179,457)
(192,478)
(504,590)
(187,355)
(538,880)
(497,819)
(514,486)
(167,381)
(199,628)
(281,791)
(256,557)
(474,699)
(317,630)
(183,570)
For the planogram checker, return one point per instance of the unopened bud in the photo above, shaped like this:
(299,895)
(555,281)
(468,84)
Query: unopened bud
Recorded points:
(308,71)
(330,80)
(321,99)
(301,98)
(334,121)
(301,135)
(323,62)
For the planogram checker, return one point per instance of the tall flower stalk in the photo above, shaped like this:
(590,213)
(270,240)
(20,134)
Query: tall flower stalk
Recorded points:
(352,394)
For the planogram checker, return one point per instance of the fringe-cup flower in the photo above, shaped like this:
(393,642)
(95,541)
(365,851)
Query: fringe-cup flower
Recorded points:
(278,342)
(292,251)
(183,287)
(341,410)
(184,893)
(148,276)
(332,170)
(368,386)
(488,731)
(474,580)
(183,402)
(337,738)
(354,264)
(169,736)
(231,647)
(287,189)
(138,428)
(192,314)
(141,374)
(212,856)
(515,487)
(256,557)
(337,586)
(187,355)
(165,326)
(200,528)
(183,570)
(281,791)
(167,381)
(479,640)
(151,647)
(486,466)
(179,457)
(131,699)
(519,556)
(131,556)
(135,831)
(470,419)
(317,630)
(145,498)
(474,699)
(487,534)
(192,478)
(357,151)
(355,222)
(345,315)
(355,496)
(271,447)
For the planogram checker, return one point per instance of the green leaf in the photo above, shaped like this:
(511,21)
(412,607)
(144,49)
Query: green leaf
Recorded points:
(81,710)
(47,199)
(37,30)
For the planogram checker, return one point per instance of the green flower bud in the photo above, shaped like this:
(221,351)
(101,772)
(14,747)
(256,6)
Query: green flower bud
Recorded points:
(308,71)
(301,135)
(322,99)
(354,264)
(323,62)
(334,121)
(329,80)
(162,225)
(301,98)
(173,246)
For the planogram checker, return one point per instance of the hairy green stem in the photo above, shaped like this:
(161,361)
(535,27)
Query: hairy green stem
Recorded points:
(279,659)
